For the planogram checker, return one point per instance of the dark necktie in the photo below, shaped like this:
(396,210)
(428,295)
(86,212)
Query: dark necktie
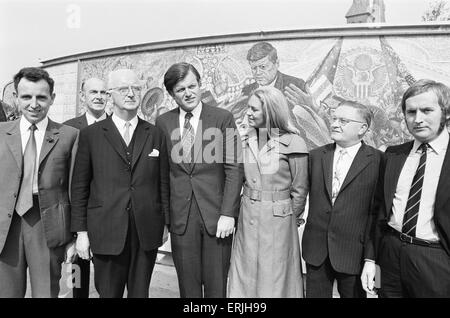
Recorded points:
(412,206)
(187,139)
(25,199)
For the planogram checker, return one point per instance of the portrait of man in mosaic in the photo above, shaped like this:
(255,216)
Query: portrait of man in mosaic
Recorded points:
(314,74)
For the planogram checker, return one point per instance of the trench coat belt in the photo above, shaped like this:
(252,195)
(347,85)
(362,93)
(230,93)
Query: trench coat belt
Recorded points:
(259,195)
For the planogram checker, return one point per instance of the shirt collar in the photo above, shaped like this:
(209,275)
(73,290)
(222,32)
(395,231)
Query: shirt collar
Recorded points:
(120,123)
(352,150)
(195,112)
(25,124)
(91,119)
(438,145)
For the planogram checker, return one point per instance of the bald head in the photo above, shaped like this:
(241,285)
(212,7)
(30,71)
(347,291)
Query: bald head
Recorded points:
(93,96)
(122,78)
(125,90)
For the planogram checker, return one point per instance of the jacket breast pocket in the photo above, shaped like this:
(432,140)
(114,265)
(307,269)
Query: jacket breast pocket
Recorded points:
(282,209)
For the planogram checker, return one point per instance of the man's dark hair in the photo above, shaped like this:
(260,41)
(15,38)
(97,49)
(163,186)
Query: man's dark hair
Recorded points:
(261,50)
(178,72)
(34,74)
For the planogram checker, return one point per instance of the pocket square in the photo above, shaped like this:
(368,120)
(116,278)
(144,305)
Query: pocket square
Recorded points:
(154,153)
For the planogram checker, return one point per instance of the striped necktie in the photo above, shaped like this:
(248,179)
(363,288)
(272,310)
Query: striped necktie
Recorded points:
(187,139)
(25,199)
(412,206)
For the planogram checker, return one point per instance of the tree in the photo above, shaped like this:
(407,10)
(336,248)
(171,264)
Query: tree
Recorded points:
(437,11)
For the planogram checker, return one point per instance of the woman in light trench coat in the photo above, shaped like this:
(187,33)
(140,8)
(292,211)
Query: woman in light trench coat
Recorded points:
(265,259)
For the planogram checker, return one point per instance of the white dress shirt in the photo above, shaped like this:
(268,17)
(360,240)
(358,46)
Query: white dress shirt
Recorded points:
(347,160)
(425,228)
(91,119)
(120,124)
(39,134)
(194,119)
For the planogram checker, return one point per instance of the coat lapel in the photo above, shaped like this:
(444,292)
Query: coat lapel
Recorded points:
(114,138)
(252,143)
(14,141)
(51,138)
(442,193)
(327,167)
(361,160)
(394,166)
(141,135)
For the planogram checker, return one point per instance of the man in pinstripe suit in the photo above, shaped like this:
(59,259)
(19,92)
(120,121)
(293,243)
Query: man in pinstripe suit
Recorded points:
(343,178)
(412,236)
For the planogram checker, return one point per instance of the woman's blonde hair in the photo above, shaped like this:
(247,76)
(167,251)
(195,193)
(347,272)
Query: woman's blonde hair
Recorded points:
(275,110)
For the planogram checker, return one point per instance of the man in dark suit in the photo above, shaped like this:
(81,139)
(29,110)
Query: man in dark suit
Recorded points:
(413,229)
(93,97)
(36,160)
(264,63)
(120,179)
(205,184)
(343,178)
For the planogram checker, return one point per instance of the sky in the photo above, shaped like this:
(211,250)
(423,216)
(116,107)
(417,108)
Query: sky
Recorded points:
(35,30)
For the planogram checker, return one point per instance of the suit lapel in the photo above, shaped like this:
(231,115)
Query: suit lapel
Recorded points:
(114,138)
(279,83)
(327,167)
(203,124)
(83,122)
(51,138)
(361,160)
(140,137)
(394,166)
(14,141)
(442,193)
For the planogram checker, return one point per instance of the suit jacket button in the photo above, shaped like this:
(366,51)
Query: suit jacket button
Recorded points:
(9,215)
(15,195)
(254,180)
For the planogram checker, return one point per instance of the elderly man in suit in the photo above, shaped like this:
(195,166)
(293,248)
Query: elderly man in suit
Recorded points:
(343,178)
(120,179)
(93,97)
(205,185)
(36,157)
(412,236)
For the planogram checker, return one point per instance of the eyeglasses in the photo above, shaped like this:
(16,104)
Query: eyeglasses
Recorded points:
(345,121)
(125,89)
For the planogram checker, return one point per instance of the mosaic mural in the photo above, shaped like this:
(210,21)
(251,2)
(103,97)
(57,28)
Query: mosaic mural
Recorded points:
(373,70)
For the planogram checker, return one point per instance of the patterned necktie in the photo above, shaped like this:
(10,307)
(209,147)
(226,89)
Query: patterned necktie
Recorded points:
(337,176)
(187,139)
(25,199)
(412,206)
(126,135)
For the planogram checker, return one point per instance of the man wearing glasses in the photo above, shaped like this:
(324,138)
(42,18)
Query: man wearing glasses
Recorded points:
(120,178)
(343,176)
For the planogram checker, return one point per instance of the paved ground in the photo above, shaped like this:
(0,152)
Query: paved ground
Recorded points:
(164,282)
